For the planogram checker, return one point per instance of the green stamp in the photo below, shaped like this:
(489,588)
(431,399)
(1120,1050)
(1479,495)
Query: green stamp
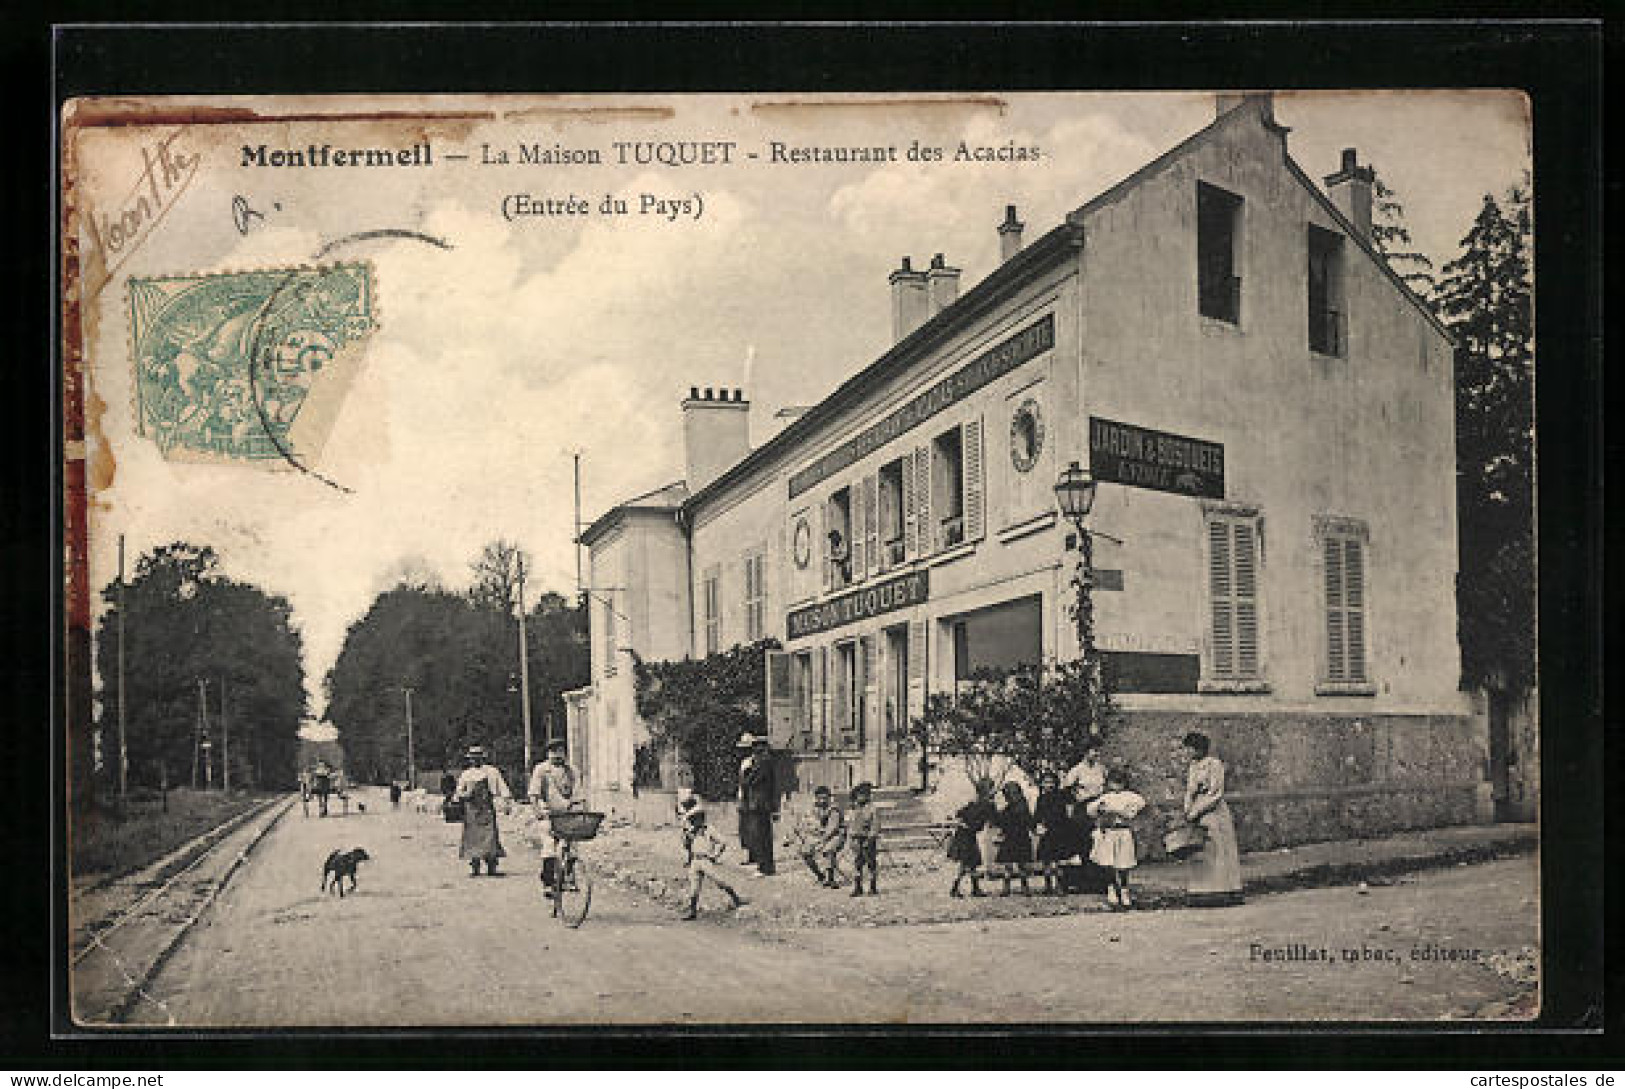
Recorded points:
(247,367)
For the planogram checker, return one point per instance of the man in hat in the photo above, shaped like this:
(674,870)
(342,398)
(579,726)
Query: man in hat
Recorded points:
(478,788)
(552,790)
(758,802)
(701,851)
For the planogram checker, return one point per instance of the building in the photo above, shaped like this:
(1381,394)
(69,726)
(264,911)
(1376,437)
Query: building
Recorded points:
(1270,413)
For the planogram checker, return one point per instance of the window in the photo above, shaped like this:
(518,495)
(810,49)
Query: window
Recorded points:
(1233,597)
(948,488)
(1343,556)
(713,611)
(845,693)
(1327,319)
(838,539)
(1000,637)
(612,647)
(891,514)
(1218,232)
(802,690)
(755,595)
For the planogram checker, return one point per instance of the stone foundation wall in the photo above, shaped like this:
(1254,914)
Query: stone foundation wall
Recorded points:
(1304,778)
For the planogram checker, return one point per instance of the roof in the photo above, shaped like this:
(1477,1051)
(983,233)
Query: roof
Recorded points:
(666,499)
(1021,268)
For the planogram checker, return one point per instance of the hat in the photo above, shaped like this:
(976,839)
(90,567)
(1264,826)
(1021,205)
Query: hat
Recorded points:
(475,752)
(690,810)
(557,745)
(747,740)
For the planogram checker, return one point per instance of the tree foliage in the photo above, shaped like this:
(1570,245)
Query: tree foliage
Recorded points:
(185,621)
(1484,296)
(1392,238)
(459,654)
(1030,717)
(698,707)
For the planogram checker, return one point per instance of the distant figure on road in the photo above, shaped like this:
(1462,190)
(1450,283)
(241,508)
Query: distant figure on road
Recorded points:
(321,783)
(394,795)
(478,788)
(758,800)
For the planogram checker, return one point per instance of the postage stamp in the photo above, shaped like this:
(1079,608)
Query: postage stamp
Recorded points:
(247,367)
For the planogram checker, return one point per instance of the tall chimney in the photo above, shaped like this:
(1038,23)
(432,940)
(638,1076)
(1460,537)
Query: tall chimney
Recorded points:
(716,433)
(942,284)
(910,300)
(1351,190)
(1009,234)
(1228,101)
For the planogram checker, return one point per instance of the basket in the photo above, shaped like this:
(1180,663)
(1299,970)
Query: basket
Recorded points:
(574,824)
(1185,840)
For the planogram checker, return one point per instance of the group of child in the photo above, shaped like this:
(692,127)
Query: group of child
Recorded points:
(820,838)
(1073,822)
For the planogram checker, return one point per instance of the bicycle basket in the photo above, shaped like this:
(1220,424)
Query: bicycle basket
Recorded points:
(575,824)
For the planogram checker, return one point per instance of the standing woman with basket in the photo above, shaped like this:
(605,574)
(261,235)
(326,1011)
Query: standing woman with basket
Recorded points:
(478,788)
(1214,874)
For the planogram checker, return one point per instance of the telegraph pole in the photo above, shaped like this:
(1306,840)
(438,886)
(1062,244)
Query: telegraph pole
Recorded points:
(200,742)
(225,741)
(123,748)
(575,535)
(524,665)
(411,766)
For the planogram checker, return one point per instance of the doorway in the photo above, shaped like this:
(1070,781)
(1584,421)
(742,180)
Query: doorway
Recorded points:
(894,745)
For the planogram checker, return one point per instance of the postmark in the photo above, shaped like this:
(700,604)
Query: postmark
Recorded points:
(248,367)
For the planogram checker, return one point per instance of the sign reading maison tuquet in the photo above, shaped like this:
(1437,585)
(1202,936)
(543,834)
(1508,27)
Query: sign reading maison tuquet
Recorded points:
(897,593)
(999,360)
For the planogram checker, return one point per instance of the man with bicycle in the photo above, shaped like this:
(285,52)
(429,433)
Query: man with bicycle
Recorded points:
(552,790)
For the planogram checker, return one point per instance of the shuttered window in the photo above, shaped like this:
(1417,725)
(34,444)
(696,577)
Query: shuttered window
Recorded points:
(1233,598)
(1343,557)
(713,612)
(755,595)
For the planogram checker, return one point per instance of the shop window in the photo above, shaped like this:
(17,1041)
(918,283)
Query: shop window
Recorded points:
(891,514)
(1343,557)
(948,488)
(755,595)
(1218,235)
(1233,597)
(999,638)
(1328,323)
(838,539)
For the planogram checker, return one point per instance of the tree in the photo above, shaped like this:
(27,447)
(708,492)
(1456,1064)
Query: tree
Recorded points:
(497,574)
(1484,297)
(1029,717)
(1392,238)
(187,623)
(698,707)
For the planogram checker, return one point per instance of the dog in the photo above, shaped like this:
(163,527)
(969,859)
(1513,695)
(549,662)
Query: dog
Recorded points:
(342,864)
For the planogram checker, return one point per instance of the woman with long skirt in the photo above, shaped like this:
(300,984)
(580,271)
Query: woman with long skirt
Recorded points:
(1213,874)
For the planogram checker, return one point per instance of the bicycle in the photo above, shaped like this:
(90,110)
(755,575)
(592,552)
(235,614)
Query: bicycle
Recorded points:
(572,891)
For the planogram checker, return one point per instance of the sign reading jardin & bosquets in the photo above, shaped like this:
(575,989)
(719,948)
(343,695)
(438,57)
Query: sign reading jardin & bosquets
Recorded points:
(1121,453)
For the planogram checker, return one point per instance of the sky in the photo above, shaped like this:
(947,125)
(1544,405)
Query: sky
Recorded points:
(530,338)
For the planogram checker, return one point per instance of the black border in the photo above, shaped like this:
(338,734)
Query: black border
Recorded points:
(1558,64)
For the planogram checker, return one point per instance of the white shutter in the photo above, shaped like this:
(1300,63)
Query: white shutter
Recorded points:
(916,668)
(820,542)
(780,701)
(821,697)
(970,454)
(1222,632)
(926,529)
(874,562)
(911,541)
(1354,608)
(856,556)
(1245,555)
(1336,647)
(871,692)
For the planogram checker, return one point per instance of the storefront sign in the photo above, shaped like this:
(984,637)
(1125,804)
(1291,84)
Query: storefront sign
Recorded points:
(885,597)
(1121,453)
(1001,359)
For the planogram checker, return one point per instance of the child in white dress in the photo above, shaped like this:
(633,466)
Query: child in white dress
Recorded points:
(1114,838)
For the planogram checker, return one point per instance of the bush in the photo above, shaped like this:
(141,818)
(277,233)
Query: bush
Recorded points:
(698,707)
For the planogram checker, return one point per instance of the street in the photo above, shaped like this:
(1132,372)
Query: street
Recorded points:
(420,943)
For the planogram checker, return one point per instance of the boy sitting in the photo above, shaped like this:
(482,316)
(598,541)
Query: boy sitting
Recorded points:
(820,835)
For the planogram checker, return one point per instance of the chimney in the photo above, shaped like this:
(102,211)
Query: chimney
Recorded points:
(942,285)
(1351,190)
(716,433)
(910,301)
(1010,234)
(1228,101)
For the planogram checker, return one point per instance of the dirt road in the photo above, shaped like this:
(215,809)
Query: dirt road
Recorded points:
(421,943)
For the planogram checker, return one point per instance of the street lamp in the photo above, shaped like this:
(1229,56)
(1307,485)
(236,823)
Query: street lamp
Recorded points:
(1075,496)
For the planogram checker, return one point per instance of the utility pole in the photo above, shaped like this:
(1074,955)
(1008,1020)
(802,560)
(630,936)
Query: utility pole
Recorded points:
(524,665)
(575,535)
(411,766)
(123,748)
(202,744)
(225,741)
